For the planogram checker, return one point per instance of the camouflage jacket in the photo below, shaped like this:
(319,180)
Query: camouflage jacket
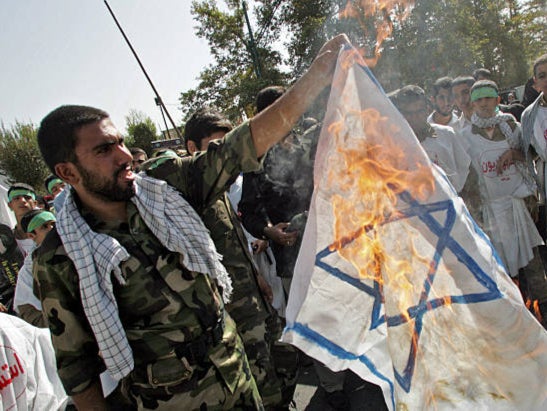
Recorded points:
(11,260)
(230,241)
(163,304)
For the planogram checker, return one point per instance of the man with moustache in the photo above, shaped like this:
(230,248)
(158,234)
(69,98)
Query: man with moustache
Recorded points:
(461,91)
(443,103)
(128,280)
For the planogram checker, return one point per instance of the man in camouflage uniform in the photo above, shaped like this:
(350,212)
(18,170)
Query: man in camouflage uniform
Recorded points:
(248,306)
(186,352)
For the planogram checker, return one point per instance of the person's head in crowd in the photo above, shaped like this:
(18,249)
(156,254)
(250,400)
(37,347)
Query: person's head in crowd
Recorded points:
(511,98)
(530,92)
(37,223)
(482,74)
(442,100)
(82,146)
(540,74)
(139,157)
(461,90)
(54,185)
(267,96)
(21,199)
(203,126)
(42,202)
(485,98)
(412,103)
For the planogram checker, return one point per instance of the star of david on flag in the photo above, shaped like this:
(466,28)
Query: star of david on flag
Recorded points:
(417,302)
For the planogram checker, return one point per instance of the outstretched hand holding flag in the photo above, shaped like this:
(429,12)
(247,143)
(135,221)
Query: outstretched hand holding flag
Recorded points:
(395,281)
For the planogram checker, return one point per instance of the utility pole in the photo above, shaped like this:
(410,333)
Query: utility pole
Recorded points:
(251,45)
(158,99)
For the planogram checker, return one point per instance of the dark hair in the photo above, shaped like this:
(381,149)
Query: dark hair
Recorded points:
(484,83)
(203,123)
(468,80)
(540,60)
(408,95)
(530,93)
(57,132)
(137,150)
(18,186)
(482,72)
(27,218)
(440,84)
(267,96)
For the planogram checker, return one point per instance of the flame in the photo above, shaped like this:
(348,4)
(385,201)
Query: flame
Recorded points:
(382,13)
(369,178)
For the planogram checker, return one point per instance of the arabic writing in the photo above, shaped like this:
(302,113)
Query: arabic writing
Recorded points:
(11,371)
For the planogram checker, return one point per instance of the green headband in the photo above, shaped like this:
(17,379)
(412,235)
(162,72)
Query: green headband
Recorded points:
(482,92)
(52,183)
(40,219)
(21,192)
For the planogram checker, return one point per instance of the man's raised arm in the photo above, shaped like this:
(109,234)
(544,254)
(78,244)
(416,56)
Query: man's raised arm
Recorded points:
(275,122)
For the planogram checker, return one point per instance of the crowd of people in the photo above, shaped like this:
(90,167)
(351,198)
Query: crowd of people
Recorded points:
(163,280)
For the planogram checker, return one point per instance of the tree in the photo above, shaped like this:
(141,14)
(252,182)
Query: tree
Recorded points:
(231,83)
(20,158)
(141,130)
(437,38)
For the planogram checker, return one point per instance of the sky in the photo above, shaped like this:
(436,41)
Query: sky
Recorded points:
(57,52)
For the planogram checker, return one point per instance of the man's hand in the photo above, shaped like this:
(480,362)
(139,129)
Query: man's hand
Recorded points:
(259,246)
(276,121)
(3,308)
(278,234)
(507,159)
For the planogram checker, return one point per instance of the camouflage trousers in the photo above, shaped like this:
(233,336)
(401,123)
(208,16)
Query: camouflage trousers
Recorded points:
(273,364)
(222,381)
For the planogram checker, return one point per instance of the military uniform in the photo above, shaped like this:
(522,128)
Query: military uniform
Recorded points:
(186,349)
(247,306)
(11,261)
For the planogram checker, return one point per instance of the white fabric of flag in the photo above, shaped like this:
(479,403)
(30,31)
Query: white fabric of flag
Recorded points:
(395,281)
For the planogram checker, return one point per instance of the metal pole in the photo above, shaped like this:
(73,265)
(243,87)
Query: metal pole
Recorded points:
(252,44)
(158,98)
(158,103)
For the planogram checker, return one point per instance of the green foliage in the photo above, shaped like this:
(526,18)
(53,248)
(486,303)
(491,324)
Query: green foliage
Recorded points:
(438,38)
(20,158)
(141,131)
(231,84)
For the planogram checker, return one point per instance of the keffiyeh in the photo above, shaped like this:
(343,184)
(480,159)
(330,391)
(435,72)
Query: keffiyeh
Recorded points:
(96,256)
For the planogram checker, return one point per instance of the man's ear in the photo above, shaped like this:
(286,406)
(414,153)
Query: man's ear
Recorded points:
(31,235)
(67,172)
(192,148)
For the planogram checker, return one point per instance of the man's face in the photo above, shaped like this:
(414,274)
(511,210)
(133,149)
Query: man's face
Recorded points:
(416,115)
(138,159)
(485,107)
(20,205)
(40,232)
(462,97)
(443,102)
(103,162)
(540,78)
(57,188)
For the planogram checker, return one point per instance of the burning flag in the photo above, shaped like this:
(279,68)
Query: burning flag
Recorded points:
(396,281)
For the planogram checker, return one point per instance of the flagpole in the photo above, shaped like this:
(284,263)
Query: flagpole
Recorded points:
(158,99)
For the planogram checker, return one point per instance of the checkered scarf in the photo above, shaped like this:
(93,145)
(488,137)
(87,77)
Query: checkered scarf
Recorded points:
(514,139)
(176,225)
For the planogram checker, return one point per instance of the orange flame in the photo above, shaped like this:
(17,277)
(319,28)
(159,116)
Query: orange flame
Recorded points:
(383,13)
(368,179)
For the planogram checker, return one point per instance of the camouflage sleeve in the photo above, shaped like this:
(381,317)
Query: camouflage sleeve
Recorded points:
(203,178)
(78,360)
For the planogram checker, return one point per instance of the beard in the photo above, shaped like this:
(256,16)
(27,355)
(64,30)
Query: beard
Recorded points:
(104,188)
